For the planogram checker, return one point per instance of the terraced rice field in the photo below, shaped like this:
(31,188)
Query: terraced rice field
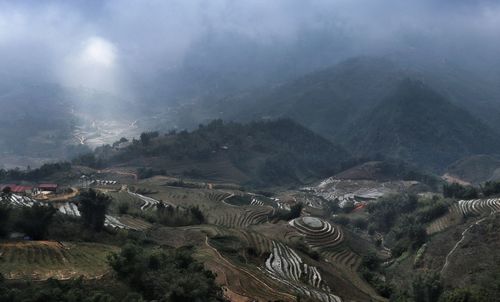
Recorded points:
(327,239)
(346,190)
(124,196)
(217,196)
(344,257)
(318,233)
(464,208)
(148,203)
(134,223)
(19,201)
(40,260)
(250,284)
(241,218)
(257,202)
(285,266)
(124,222)
(479,206)
(139,201)
(261,243)
(70,209)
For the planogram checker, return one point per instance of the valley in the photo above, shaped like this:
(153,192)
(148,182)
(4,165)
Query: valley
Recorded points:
(249,151)
(312,242)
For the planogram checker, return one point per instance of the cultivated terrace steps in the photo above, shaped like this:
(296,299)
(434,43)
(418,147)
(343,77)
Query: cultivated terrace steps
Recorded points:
(243,219)
(287,267)
(327,239)
(461,209)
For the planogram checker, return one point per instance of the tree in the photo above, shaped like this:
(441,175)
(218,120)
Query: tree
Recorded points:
(467,294)
(93,206)
(427,287)
(456,190)
(165,275)
(35,221)
(385,212)
(147,136)
(4,218)
(6,192)
(491,188)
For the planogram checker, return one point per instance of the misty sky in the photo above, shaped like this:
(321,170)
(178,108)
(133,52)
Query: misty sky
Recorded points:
(108,45)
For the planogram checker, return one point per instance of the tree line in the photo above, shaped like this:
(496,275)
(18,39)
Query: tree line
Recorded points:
(458,191)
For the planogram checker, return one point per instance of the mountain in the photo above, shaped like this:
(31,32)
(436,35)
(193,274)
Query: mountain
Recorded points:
(324,100)
(418,125)
(359,103)
(266,153)
(388,171)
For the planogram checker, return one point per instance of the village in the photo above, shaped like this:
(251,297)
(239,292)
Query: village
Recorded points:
(31,190)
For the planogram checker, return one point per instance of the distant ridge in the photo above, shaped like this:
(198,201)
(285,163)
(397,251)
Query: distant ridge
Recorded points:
(418,125)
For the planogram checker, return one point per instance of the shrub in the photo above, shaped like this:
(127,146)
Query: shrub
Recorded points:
(35,221)
(458,191)
(123,207)
(5,211)
(360,223)
(165,275)
(341,219)
(491,188)
(93,207)
(178,216)
(427,287)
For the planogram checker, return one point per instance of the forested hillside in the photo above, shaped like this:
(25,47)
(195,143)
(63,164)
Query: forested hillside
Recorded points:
(268,153)
(374,108)
(418,125)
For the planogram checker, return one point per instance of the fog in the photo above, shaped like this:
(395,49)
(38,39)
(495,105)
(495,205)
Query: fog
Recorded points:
(87,64)
(124,46)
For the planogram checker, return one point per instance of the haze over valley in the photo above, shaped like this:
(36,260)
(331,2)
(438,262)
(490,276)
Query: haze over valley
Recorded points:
(217,150)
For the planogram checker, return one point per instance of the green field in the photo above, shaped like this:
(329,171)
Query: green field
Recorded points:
(40,260)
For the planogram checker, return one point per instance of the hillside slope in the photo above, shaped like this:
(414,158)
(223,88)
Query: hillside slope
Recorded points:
(476,169)
(338,102)
(325,101)
(418,125)
(269,153)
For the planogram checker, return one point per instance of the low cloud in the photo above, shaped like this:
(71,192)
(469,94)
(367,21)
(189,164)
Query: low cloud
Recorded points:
(110,44)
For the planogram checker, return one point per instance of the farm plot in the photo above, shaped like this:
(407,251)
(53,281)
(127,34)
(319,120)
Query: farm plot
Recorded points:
(99,182)
(70,209)
(148,202)
(134,223)
(237,218)
(285,266)
(250,284)
(464,208)
(281,204)
(217,196)
(247,200)
(124,222)
(19,201)
(327,239)
(186,197)
(256,202)
(40,260)
(261,243)
(346,190)
(479,206)
(318,233)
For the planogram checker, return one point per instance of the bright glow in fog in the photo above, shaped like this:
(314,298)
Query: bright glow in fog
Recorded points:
(93,64)
(98,52)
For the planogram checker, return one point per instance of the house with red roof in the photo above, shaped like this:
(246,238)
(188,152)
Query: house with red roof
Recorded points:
(48,187)
(17,189)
